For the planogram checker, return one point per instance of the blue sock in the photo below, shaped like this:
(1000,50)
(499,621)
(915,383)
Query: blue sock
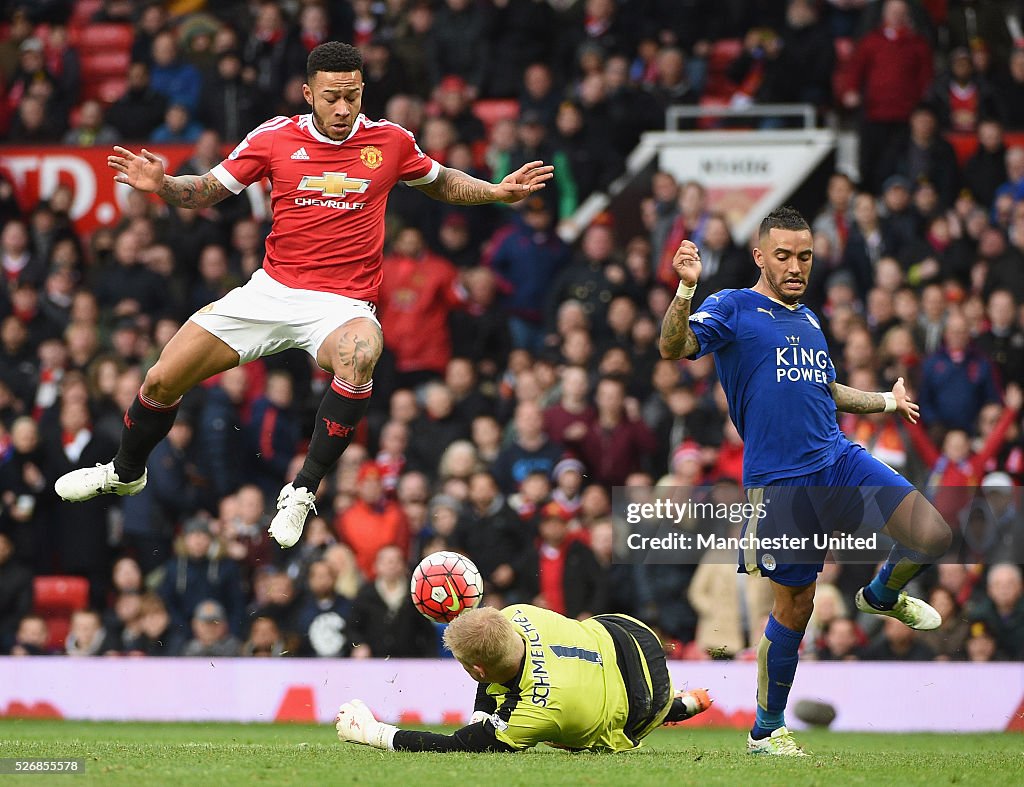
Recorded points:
(902,565)
(777,657)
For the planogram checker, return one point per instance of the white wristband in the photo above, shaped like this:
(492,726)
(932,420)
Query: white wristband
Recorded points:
(890,402)
(685,292)
(384,736)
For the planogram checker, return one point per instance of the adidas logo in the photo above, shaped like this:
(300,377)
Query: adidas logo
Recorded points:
(300,155)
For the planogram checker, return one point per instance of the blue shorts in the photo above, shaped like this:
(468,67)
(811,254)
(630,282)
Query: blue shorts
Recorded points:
(797,515)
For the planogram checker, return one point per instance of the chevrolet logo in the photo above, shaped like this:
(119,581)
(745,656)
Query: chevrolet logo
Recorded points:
(333,184)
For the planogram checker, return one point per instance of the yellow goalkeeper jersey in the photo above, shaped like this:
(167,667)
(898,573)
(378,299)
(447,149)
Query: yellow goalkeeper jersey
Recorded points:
(599,684)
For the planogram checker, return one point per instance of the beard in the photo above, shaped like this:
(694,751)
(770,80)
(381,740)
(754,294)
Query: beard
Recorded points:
(323,124)
(788,297)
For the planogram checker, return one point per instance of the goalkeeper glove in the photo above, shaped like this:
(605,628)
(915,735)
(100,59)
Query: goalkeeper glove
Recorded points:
(356,724)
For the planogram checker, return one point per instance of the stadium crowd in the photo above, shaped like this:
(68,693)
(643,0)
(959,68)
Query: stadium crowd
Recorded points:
(521,379)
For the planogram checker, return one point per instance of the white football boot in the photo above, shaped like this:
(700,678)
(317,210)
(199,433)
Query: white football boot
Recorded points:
(780,743)
(89,482)
(909,610)
(293,506)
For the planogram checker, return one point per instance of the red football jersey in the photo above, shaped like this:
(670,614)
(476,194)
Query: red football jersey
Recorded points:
(328,198)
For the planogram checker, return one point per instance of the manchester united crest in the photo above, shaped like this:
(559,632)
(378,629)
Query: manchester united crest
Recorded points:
(371,156)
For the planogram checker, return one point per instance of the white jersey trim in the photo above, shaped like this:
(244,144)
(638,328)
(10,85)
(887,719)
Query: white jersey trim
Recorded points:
(306,122)
(227,180)
(385,122)
(269,125)
(430,177)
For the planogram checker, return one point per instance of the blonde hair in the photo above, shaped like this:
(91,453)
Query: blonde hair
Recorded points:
(483,637)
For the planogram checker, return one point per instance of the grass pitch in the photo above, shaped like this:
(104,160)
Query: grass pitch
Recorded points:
(229,754)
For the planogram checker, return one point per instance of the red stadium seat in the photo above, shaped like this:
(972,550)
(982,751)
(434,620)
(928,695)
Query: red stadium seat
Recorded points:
(56,597)
(103,37)
(89,91)
(60,593)
(58,629)
(84,11)
(964,145)
(479,149)
(491,110)
(101,65)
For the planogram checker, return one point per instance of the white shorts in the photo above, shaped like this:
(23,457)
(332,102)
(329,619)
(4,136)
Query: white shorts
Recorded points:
(264,317)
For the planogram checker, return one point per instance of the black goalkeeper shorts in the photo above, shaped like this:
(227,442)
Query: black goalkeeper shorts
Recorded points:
(649,691)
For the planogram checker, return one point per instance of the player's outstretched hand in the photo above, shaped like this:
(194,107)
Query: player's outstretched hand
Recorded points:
(906,408)
(686,263)
(144,172)
(526,180)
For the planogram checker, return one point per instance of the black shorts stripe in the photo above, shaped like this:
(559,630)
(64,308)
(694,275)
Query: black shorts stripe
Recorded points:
(512,698)
(506,708)
(484,701)
(632,643)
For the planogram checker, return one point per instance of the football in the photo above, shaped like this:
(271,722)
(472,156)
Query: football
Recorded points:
(444,585)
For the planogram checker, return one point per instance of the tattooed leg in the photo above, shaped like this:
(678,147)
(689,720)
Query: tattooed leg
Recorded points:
(351,352)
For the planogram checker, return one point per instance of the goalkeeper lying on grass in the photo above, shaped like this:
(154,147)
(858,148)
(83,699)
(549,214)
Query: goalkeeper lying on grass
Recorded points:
(601,685)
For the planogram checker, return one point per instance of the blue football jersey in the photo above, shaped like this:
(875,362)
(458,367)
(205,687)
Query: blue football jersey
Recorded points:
(774,365)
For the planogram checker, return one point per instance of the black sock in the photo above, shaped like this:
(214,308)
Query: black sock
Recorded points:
(145,424)
(342,408)
(677,712)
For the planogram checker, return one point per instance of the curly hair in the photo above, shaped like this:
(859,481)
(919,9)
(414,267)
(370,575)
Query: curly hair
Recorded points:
(784,218)
(333,56)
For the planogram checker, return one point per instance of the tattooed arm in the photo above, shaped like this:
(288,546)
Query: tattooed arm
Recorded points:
(145,172)
(457,188)
(677,338)
(853,400)
(192,191)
